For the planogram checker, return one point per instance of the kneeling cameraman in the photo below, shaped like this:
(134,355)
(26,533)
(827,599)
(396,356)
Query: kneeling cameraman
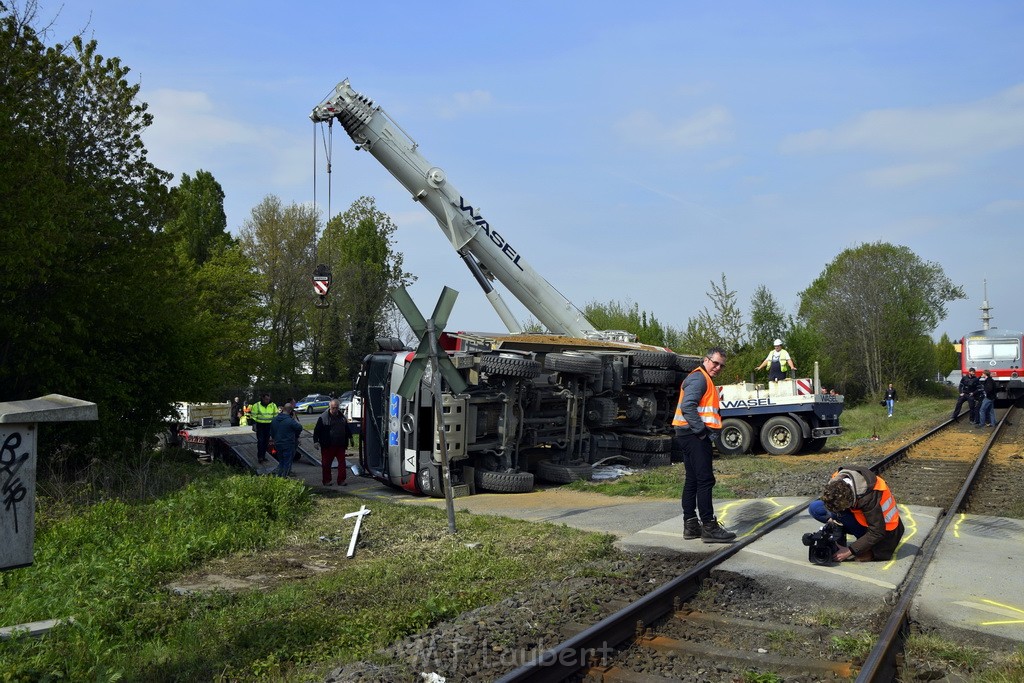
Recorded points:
(861,501)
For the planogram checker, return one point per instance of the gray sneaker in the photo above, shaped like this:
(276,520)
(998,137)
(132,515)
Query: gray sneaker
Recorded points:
(713,532)
(691,528)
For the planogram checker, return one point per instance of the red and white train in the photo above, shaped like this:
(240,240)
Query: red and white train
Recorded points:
(998,351)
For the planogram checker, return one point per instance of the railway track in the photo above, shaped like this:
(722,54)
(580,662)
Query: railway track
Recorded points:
(694,628)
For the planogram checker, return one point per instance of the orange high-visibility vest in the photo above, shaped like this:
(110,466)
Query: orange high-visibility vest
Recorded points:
(890,513)
(707,407)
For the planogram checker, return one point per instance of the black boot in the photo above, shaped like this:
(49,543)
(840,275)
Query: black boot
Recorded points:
(691,528)
(713,532)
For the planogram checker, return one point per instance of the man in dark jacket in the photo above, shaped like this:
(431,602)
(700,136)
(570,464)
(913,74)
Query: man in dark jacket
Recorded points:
(987,412)
(862,503)
(332,436)
(236,411)
(285,430)
(966,388)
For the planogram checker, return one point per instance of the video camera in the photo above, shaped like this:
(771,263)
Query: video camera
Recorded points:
(824,543)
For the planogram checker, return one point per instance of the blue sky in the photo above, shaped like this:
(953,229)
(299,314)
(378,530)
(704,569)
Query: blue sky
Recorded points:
(631,151)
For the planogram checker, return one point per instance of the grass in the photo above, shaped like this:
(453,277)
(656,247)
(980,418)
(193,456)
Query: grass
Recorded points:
(740,475)
(108,565)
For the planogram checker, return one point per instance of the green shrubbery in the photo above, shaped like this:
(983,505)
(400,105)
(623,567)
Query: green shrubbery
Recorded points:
(104,566)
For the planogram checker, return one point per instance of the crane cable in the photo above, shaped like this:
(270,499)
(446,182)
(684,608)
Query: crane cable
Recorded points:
(323,271)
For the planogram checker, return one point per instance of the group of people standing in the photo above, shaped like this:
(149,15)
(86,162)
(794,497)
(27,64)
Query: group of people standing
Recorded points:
(279,428)
(979,393)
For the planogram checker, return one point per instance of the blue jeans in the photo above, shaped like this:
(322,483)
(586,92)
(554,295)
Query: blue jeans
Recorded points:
(889,404)
(987,414)
(284,460)
(846,518)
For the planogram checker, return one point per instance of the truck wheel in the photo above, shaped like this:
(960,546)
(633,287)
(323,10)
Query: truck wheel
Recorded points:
(652,376)
(579,363)
(504,482)
(687,363)
(736,437)
(781,436)
(563,474)
(815,445)
(526,368)
(654,359)
(659,460)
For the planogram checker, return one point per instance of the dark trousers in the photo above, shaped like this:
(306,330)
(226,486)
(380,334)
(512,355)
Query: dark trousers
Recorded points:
(285,453)
(262,439)
(961,399)
(700,476)
(328,454)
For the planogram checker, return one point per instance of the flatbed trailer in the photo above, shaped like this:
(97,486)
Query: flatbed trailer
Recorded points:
(237,446)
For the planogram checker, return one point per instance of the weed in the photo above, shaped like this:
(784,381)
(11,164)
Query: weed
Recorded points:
(930,646)
(758,677)
(829,617)
(854,646)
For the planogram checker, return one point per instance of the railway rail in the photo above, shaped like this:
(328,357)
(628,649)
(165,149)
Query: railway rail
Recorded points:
(658,637)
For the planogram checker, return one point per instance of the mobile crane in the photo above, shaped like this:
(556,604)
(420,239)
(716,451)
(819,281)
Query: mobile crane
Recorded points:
(546,404)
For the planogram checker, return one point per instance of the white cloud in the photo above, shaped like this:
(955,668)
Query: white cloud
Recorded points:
(463,103)
(906,174)
(1004,206)
(191,131)
(992,124)
(709,126)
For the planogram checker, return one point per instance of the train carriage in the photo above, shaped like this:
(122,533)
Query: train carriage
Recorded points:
(998,351)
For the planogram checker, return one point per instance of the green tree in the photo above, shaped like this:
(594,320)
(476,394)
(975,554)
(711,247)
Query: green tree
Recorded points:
(946,356)
(88,290)
(873,305)
(767,319)
(616,315)
(723,327)
(280,242)
(358,246)
(199,225)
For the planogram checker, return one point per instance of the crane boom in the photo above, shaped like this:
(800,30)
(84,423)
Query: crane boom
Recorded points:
(487,253)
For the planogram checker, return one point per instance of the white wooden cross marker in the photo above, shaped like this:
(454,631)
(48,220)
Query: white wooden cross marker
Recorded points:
(358,514)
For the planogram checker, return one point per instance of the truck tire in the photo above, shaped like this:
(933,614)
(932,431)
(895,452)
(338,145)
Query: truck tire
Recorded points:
(736,438)
(507,366)
(781,435)
(815,445)
(578,363)
(563,474)
(659,460)
(637,458)
(647,443)
(687,363)
(652,376)
(654,359)
(504,482)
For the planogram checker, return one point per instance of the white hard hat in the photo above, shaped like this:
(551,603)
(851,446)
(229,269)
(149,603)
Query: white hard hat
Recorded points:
(777,342)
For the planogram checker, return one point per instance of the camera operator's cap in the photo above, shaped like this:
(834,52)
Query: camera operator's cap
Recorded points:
(837,496)
(777,342)
(970,369)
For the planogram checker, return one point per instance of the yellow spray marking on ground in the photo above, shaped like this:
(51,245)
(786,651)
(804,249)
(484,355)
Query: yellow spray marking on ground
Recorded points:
(910,531)
(1007,607)
(956,524)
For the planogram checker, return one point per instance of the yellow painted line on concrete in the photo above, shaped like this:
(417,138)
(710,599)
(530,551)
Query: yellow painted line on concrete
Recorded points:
(831,570)
(993,607)
(910,530)
(956,525)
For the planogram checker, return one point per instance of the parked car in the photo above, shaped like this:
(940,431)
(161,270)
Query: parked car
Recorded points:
(314,403)
(351,405)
